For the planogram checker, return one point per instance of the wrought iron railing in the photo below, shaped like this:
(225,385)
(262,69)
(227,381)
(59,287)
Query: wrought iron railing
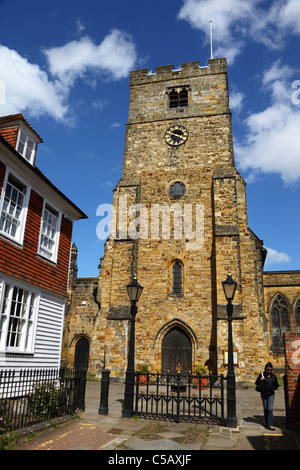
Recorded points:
(180,397)
(32,396)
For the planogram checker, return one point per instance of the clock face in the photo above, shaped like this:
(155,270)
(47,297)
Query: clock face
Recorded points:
(176,135)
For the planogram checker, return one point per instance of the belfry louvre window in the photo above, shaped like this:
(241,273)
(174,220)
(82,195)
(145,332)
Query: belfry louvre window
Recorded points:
(177,279)
(178,97)
(279,321)
(17,319)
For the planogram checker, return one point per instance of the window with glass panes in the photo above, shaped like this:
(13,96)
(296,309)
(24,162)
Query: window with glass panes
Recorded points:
(177,279)
(48,238)
(12,208)
(279,321)
(26,146)
(17,319)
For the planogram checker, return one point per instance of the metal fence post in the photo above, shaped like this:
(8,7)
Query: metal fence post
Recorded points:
(178,384)
(103,408)
(81,391)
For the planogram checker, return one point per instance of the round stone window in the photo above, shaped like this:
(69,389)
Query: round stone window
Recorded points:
(177,190)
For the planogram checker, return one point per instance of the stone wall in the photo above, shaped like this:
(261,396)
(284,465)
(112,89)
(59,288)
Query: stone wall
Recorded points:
(287,284)
(205,166)
(83,319)
(80,319)
(141,244)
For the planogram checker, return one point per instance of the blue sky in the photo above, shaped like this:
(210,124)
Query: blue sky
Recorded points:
(65,65)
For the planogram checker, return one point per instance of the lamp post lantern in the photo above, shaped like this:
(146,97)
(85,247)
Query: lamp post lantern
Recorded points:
(134,290)
(229,287)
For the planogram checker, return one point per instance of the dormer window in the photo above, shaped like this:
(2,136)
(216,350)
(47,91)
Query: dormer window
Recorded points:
(178,97)
(20,135)
(26,146)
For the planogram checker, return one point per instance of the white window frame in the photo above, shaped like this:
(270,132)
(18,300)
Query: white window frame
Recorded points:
(24,151)
(45,252)
(19,235)
(18,320)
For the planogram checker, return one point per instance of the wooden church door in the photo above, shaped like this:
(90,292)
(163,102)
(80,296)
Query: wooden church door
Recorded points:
(176,348)
(82,351)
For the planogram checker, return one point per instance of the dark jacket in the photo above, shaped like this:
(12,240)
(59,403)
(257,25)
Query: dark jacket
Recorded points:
(268,386)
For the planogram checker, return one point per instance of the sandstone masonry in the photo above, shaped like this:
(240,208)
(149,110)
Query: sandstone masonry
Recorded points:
(182,311)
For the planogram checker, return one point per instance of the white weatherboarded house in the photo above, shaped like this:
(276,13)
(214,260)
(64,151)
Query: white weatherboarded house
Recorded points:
(36,221)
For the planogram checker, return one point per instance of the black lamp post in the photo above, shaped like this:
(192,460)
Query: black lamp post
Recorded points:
(134,290)
(229,287)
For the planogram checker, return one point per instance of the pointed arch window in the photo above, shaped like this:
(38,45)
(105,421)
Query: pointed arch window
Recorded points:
(279,320)
(177,279)
(297,316)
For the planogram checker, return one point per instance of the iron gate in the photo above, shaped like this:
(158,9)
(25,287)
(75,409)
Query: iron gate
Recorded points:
(180,397)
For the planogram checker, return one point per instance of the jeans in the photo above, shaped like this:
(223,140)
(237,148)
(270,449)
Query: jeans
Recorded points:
(268,409)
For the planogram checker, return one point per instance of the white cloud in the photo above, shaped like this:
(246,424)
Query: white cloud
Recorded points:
(227,17)
(79,26)
(272,143)
(287,15)
(33,91)
(115,125)
(275,257)
(28,88)
(115,56)
(276,80)
(235,21)
(100,104)
(236,100)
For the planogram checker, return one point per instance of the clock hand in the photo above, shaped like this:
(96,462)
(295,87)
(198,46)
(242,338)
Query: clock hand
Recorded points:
(175,137)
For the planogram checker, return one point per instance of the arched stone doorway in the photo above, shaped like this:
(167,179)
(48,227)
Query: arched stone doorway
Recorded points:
(82,351)
(176,348)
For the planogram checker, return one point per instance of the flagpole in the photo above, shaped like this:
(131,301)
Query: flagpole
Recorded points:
(211,46)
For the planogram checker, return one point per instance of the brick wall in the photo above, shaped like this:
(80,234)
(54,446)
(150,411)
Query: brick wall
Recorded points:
(292,361)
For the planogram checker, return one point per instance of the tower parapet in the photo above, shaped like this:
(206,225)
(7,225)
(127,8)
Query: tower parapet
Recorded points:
(205,92)
(167,72)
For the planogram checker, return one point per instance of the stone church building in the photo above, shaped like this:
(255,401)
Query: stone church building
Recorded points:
(180,226)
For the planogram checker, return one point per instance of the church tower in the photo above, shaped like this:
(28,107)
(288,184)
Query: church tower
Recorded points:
(180,226)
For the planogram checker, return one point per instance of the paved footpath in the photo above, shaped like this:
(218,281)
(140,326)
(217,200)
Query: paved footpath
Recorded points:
(91,431)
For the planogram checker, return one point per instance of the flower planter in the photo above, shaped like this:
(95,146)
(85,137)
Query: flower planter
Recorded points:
(203,381)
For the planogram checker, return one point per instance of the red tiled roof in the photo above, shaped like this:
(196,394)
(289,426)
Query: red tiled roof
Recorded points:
(10,134)
(17,117)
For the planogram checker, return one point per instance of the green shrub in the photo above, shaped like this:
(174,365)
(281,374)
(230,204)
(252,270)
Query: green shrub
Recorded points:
(201,369)
(3,417)
(47,401)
